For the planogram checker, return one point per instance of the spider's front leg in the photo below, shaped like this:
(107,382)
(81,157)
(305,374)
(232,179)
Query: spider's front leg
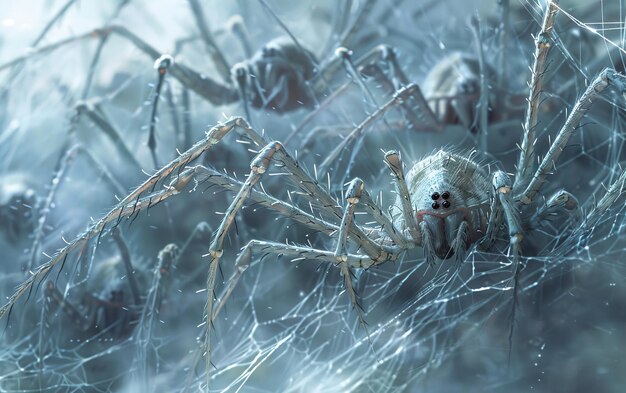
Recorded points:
(502,190)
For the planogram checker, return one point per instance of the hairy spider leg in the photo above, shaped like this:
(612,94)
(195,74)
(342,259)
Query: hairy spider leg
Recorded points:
(367,65)
(526,161)
(559,201)
(147,353)
(394,162)
(162,64)
(274,151)
(356,134)
(65,162)
(356,194)
(502,189)
(133,203)
(596,87)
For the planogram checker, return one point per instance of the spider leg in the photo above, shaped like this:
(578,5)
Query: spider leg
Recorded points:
(495,220)
(614,191)
(214,51)
(503,188)
(367,65)
(596,87)
(287,210)
(357,188)
(542,47)
(95,114)
(459,246)
(483,122)
(355,74)
(296,253)
(274,151)
(162,64)
(212,91)
(167,258)
(428,245)
(394,162)
(350,31)
(238,28)
(356,134)
(53,295)
(387,54)
(354,193)
(66,160)
(505,11)
(134,202)
(98,52)
(558,202)
(187,134)
(357,261)
(128,265)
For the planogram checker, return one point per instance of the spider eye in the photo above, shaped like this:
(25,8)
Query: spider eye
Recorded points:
(445,204)
(435,205)
(435,196)
(445,195)
(269,51)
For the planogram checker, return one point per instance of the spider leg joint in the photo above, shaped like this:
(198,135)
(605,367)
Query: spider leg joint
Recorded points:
(355,191)
(262,161)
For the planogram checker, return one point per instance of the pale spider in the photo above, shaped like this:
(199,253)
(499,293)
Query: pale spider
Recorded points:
(446,202)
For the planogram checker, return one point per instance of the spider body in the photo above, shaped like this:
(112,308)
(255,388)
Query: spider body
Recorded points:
(453,88)
(447,189)
(277,77)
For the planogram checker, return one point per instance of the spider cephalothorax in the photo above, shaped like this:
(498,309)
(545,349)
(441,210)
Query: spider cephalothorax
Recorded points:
(447,189)
(277,76)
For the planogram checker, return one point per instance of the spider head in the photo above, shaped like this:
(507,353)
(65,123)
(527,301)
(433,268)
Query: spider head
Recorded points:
(440,215)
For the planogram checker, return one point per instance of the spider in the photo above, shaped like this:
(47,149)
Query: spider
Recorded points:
(116,310)
(282,76)
(446,202)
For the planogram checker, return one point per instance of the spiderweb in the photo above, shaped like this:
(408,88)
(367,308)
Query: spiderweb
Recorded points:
(288,325)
